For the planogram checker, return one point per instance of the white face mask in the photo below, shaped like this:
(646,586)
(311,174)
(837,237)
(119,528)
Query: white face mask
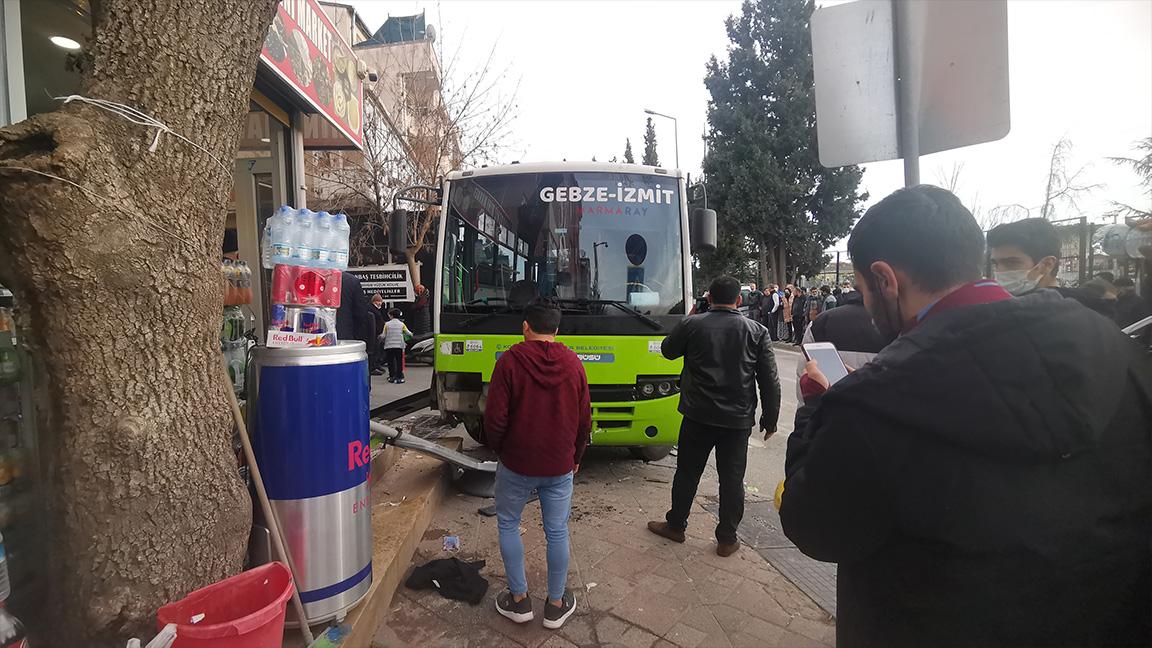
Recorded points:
(1017,282)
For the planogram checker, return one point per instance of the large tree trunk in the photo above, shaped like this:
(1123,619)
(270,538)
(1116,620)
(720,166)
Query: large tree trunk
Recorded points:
(762,262)
(115,266)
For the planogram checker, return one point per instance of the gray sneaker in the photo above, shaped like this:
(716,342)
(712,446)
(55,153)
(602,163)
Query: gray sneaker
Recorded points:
(554,616)
(519,612)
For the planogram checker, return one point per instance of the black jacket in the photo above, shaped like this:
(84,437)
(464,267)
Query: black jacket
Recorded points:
(1131,308)
(725,356)
(985,481)
(354,318)
(799,306)
(848,326)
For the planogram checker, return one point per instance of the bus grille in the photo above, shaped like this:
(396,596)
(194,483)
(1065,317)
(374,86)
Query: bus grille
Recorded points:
(612,393)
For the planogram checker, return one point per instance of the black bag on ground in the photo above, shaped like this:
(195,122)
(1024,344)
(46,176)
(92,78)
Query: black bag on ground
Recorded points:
(453,578)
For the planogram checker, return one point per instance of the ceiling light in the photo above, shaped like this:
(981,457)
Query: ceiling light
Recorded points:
(66,43)
(265,140)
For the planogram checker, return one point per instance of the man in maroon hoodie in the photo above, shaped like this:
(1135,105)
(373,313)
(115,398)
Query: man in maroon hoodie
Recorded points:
(537,419)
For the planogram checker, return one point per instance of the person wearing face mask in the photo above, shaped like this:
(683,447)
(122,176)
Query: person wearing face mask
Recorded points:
(1025,257)
(986,480)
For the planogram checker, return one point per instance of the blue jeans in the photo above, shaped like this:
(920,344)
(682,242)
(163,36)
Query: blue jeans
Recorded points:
(512,492)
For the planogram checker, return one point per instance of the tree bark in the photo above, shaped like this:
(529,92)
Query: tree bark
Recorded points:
(115,267)
(762,261)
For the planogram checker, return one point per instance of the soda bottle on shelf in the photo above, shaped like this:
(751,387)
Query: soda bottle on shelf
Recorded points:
(229,293)
(5,581)
(245,283)
(304,247)
(342,230)
(233,326)
(9,361)
(12,633)
(283,235)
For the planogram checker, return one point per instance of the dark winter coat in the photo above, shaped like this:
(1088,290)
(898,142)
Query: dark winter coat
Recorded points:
(1131,308)
(985,481)
(538,414)
(354,318)
(726,356)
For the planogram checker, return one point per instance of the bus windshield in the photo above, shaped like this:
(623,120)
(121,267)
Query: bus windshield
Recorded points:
(603,244)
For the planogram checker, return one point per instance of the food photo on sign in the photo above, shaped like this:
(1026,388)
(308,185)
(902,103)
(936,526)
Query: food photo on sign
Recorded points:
(305,49)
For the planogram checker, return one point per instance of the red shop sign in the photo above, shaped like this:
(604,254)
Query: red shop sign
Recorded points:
(307,51)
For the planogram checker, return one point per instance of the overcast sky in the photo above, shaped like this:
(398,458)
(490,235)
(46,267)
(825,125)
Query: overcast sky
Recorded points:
(587,70)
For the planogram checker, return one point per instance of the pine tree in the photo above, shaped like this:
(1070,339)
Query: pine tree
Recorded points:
(650,156)
(628,159)
(779,207)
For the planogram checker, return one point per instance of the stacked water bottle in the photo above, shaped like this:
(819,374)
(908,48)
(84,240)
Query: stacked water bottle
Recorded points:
(306,251)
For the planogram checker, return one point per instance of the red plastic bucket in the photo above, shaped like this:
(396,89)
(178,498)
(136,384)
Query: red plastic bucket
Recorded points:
(244,611)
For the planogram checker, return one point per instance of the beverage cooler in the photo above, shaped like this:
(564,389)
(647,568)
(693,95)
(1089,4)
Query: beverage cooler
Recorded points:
(23,542)
(308,414)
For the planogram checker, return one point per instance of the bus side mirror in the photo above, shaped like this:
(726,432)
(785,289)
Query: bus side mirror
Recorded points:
(398,231)
(702,230)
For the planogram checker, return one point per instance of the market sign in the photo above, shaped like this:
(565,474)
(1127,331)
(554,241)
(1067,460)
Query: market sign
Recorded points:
(389,281)
(306,51)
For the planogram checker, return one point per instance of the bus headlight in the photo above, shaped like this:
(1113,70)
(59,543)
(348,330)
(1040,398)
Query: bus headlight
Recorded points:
(648,387)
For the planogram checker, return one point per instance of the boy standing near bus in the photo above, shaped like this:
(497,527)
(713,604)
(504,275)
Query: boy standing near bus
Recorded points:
(395,336)
(537,419)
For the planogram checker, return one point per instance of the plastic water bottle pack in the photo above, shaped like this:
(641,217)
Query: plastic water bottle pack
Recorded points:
(302,237)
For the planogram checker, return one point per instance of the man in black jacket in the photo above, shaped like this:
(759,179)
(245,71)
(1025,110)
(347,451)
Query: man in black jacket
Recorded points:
(987,479)
(354,318)
(725,357)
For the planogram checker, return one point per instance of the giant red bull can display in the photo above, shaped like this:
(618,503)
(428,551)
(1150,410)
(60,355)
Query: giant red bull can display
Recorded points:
(309,417)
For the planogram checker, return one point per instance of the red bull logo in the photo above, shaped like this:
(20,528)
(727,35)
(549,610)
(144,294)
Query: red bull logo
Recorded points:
(359,455)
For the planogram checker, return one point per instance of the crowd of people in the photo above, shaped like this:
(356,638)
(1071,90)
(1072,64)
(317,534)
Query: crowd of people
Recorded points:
(983,477)
(787,310)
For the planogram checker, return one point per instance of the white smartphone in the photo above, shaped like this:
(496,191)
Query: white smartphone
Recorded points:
(828,359)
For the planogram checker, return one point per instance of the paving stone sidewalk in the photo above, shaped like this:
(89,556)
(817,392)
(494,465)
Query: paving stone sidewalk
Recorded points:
(633,588)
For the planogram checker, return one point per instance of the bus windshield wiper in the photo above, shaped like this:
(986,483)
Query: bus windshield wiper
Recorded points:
(620,305)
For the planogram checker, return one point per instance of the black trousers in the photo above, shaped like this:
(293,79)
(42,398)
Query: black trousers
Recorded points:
(696,443)
(797,329)
(395,359)
(773,325)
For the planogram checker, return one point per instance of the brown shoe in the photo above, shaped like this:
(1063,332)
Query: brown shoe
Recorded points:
(725,549)
(664,531)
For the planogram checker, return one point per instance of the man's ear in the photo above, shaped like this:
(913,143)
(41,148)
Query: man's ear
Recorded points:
(739,300)
(885,280)
(1048,264)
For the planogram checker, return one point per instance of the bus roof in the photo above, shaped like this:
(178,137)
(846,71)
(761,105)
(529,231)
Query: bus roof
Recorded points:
(563,167)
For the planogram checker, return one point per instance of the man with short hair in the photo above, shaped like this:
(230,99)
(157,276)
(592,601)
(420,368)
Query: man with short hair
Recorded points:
(1025,255)
(986,480)
(537,419)
(773,302)
(755,299)
(726,357)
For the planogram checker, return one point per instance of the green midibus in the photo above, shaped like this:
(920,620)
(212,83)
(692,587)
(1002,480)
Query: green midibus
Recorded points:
(609,243)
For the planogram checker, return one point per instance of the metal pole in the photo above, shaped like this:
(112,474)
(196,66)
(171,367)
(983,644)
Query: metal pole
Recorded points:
(837,267)
(676,136)
(1083,249)
(907,100)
